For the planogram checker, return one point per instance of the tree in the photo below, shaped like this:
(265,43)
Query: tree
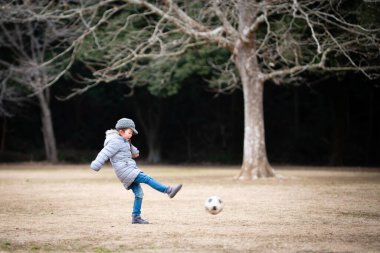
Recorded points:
(31,42)
(267,40)
(10,98)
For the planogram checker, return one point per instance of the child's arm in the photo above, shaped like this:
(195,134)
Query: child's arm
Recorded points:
(135,152)
(106,153)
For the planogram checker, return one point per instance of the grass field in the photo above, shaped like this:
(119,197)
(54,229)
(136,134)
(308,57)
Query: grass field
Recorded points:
(69,208)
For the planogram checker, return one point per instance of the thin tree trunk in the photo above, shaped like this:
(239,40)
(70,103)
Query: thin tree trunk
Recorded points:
(188,137)
(3,134)
(154,146)
(150,121)
(338,102)
(296,117)
(370,134)
(47,127)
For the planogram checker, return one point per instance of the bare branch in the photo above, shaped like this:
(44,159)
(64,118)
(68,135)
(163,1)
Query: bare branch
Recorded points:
(228,28)
(306,16)
(287,38)
(248,31)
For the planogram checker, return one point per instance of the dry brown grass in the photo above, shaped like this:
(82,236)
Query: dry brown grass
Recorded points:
(72,209)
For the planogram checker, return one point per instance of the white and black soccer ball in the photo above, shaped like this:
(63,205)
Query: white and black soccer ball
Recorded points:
(214,205)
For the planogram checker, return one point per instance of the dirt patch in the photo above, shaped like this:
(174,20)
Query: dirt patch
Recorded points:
(73,209)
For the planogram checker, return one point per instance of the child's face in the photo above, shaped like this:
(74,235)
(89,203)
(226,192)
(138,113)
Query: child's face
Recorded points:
(127,133)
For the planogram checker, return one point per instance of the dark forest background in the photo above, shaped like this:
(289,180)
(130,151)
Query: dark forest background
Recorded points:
(314,118)
(322,121)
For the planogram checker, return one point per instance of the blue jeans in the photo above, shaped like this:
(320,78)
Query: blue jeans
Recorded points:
(137,190)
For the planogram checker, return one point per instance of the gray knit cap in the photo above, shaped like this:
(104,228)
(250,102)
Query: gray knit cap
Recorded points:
(126,123)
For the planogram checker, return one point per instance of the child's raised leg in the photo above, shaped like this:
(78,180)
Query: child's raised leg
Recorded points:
(144,178)
(171,191)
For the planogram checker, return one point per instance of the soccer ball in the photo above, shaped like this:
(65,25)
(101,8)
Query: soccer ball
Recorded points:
(214,205)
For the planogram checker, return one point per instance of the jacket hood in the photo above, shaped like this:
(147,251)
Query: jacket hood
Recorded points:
(111,134)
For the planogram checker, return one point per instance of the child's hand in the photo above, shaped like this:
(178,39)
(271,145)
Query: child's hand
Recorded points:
(135,155)
(95,166)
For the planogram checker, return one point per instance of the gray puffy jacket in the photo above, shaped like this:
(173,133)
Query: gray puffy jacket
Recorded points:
(119,151)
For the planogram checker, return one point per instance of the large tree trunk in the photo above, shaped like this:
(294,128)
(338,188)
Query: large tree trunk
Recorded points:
(255,162)
(47,127)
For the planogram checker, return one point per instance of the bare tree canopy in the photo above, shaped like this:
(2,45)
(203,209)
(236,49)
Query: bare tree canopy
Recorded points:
(10,96)
(289,36)
(267,40)
(35,60)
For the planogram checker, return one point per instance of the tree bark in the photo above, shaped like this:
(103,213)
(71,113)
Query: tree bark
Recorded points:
(47,127)
(339,108)
(154,146)
(296,112)
(255,162)
(370,132)
(3,134)
(150,121)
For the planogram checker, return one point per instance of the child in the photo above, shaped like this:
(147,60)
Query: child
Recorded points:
(120,151)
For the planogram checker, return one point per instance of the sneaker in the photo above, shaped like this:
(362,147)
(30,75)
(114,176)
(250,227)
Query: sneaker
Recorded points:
(174,190)
(138,220)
